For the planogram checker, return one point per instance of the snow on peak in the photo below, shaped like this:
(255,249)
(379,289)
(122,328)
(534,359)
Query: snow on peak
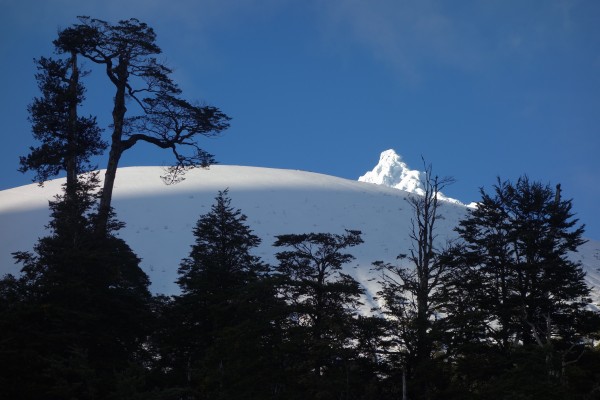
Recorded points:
(393,172)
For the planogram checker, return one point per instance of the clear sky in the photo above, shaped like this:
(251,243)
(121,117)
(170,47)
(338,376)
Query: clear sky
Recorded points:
(480,89)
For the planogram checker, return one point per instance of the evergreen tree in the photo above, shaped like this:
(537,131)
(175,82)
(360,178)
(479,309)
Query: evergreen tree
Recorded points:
(67,140)
(76,316)
(323,321)
(127,51)
(220,342)
(517,272)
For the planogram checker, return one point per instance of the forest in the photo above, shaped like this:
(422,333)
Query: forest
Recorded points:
(501,313)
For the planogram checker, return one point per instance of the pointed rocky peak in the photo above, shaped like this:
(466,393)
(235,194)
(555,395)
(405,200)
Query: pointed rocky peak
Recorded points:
(393,172)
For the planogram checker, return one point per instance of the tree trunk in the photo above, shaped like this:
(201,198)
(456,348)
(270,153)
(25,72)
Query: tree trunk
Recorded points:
(116,147)
(107,189)
(71,158)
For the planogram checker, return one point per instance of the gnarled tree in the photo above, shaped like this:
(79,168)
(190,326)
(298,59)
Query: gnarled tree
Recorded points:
(127,51)
(411,294)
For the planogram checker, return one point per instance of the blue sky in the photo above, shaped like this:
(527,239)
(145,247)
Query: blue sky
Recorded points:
(480,89)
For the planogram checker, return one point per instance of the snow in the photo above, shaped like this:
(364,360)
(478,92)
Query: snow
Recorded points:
(160,218)
(391,171)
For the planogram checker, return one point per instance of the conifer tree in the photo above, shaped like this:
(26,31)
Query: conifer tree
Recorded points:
(79,308)
(220,342)
(323,305)
(77,311)
(67,141)
(516,251)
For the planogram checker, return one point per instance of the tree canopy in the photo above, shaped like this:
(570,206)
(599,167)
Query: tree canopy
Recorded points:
(147,106)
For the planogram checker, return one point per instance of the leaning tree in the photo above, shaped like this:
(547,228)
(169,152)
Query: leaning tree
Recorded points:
(127,50)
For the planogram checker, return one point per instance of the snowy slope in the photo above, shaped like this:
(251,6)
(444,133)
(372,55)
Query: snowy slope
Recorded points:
(160,218)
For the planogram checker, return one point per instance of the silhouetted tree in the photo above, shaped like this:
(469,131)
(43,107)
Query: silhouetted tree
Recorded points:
(517,272)
(411,293)
(221,340)
(323,317)
(67,141)
(77,314)
(127,51)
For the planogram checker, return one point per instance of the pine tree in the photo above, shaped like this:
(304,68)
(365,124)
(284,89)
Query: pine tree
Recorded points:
(76,314)
(79,309)
(220,343)
(68,141)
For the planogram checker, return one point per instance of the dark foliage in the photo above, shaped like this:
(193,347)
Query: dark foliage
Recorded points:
(77,316)
(412,294)
(67,140)
(517,325)
(516,249)
(220,335)
(500,315)
(127,50)
(323,323)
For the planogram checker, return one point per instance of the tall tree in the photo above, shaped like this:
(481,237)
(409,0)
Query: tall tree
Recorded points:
(81,308)
(517,244)
(127,51)
(68,141)
(77,311)
(323,312)
(411,293)
(220,344)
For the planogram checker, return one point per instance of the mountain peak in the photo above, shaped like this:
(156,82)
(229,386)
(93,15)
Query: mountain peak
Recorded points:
(393,172)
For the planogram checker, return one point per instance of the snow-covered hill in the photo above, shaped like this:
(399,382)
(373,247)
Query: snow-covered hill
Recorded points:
(160,218)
